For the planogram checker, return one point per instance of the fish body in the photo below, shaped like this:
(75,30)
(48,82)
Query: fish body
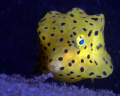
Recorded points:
(72,46)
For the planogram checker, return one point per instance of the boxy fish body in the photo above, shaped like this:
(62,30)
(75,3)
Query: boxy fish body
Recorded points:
(72,46)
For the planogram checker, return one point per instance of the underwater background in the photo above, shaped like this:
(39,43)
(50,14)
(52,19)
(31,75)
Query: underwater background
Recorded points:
(19,47)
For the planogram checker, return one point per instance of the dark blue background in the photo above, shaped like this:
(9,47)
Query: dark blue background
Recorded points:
(19,41)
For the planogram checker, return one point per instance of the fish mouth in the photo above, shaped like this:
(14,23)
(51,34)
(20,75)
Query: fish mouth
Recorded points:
(54,66)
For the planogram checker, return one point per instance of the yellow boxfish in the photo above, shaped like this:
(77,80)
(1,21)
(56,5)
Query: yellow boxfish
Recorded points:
(72,46)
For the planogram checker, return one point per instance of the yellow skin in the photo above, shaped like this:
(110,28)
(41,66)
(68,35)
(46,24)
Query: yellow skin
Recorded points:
(72,46)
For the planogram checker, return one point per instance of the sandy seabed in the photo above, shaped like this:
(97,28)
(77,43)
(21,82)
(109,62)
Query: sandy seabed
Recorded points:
(16,85)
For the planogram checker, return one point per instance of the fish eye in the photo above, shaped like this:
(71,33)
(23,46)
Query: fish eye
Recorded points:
(79,43)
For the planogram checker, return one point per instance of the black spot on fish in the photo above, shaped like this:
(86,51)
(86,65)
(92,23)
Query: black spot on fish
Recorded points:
(73,27)
(96,33)
(71,15)
(54,16)
(72,41)
(88,56)
(71,72)
(94,19)
(53,21)
(85,47)
(104,73)
(78,75)
(70,64)
(74,21)
(97,47)
(84,29)
(81,12)
(66,50)
(71,35)
(61,68)
(62,24)
(61,31)
(52,35)
(91,44)
(60,74)
(72,78)
(91,73)
(50,60)
(68,41)
(54,28)
(45,48)
(99,76)
(91,24)
(63,17)
(42,20)
(54,49)
(89,34)
(111,67)
(73,61)
(43,37)
(68,74)
(39,32)
(61,39)
(96,63)
(60,58)
(90,61)
(45,27)
(70,44)
(74,33)
(82,69)
(82,60)
(78,52)
(56,13)
(86,21)
(49,44)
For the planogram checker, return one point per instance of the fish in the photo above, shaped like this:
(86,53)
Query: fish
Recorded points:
(72,46)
